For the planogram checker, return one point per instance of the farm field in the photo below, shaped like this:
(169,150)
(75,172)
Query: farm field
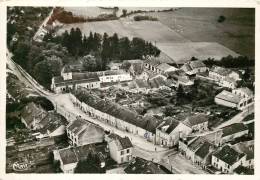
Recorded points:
(181,52)
(89,12)
(200,25)
(148,30)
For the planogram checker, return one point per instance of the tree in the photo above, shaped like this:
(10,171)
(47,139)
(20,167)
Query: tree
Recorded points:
(46,69)
(115,46)
(89,63)
(91,165)
(137,48)
(124,11)
(21,52)
(124,48)
(96,42)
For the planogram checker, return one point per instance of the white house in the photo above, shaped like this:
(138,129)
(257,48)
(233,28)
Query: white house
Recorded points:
(194,67)
(120,149)
(114,76)
(116,115)
(224,77)
(227,159)
(72,80)
(70,156)
(170,131)
(232,100)
(197,149)
(198,122)
(82,132)
(244,93)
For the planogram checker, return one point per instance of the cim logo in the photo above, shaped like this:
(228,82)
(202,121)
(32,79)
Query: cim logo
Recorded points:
(21,166)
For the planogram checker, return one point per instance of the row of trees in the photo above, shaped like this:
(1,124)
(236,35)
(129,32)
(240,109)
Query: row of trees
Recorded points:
(107,47)
(231,62)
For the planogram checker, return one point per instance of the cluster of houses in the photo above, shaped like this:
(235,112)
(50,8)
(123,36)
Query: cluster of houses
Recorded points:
(86,137)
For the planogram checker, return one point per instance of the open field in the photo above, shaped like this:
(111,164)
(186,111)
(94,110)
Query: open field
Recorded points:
(181,52)
(200,25)
(89,12)
(148,30)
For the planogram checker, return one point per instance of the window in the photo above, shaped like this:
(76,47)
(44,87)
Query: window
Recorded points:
(128,151)
(122,159)
(122,152)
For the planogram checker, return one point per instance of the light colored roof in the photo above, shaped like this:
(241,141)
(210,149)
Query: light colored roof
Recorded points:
(121,143)
(220,70)
(196,64)
(165,67)
(81,126)
(141,83)
(196,119)
(245,90)
(228,96)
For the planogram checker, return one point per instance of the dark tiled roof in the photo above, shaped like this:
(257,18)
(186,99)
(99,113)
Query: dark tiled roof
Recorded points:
(113,109)
(168,125)
(31,111)
(141,166)
(233,129)
(123,143)
(228,155)
(243,147)
(53,121)
(244,170)
(77,78)
(196,119)
(197,64)
(157,82)
(68,156)
(204,150)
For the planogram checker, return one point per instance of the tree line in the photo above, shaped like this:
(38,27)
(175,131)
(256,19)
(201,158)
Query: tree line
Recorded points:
(107,47)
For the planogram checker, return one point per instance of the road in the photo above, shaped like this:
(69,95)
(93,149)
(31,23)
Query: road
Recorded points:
(239,117)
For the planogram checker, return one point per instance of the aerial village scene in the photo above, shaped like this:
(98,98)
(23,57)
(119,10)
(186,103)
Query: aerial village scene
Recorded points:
(130,90)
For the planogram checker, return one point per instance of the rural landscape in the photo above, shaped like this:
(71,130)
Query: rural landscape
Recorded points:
(130,90)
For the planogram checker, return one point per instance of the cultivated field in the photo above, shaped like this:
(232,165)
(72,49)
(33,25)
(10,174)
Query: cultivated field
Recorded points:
(89,12)
(200,25)
(181,52)
(148,30)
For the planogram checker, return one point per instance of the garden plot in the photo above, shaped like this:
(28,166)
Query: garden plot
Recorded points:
(182,52)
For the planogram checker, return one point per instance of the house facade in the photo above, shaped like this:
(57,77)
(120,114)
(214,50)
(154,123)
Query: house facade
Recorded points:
(115,115)
(197,149)
(81,132)
(120,149)
(170,131)
(232,100)
(227,159)
(197,122)
(114,76)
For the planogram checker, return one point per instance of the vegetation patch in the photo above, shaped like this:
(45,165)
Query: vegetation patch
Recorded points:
(145,18)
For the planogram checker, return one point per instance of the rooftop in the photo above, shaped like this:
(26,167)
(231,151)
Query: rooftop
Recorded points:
(228,96)
(114,109)
(220,70)
(233,129)
(141,166)
(121,143)
(246,90)
(245,147)
(168,125)
(196,119)
(31,111)
(228,155)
